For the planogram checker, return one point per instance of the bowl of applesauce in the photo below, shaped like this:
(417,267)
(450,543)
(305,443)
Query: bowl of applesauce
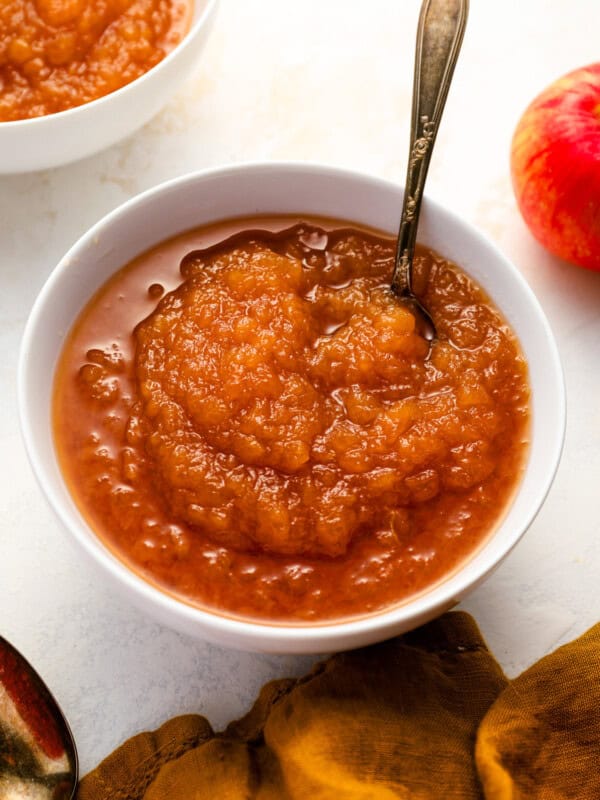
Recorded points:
(237,421)
(78,76)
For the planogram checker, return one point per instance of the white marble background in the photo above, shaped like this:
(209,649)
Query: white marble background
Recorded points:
(326,81)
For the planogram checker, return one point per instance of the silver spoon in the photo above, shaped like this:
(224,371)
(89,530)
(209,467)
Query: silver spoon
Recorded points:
(439,37)
(38,758)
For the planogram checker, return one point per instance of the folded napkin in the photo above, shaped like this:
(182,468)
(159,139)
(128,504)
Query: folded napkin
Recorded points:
(427,715)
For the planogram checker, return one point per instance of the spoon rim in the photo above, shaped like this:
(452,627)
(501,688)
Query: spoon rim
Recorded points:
(52,706)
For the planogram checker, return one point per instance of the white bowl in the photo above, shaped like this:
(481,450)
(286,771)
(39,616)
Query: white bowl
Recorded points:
(248,190)
(56,139)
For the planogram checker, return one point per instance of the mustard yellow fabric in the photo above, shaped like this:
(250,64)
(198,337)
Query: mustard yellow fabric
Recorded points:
(541,738)
(396,721)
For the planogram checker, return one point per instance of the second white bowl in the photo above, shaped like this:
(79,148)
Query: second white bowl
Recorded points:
(56,139)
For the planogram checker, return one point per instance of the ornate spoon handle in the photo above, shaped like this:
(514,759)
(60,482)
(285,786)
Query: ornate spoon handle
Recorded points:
(439,37)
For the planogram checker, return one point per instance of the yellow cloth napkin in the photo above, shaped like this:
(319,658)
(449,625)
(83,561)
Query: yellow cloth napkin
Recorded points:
(541,738)
(399,720)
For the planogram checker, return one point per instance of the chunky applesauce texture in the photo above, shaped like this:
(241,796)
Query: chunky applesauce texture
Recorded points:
(287,421)
(57,54)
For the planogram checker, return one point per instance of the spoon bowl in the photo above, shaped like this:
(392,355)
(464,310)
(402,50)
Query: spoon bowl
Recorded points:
(38,757)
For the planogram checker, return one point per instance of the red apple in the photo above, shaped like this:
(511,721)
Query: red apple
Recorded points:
(555,164)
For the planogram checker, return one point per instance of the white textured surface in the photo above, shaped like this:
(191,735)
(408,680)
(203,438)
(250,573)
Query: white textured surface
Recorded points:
(327,81)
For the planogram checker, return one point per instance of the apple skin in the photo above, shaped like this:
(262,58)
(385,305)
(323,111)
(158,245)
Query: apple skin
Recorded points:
(555,167)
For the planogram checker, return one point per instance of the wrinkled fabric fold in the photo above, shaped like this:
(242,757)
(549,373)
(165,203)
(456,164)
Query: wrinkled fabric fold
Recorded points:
(540,740)
(401,720)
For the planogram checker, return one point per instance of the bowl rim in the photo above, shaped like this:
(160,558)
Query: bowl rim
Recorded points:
(277,636)
(209,6)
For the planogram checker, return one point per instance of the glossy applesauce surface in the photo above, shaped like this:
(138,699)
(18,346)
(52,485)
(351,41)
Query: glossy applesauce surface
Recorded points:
(255,427)
(57,54)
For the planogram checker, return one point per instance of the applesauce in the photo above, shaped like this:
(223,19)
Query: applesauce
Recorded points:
(256,427)
(57,54)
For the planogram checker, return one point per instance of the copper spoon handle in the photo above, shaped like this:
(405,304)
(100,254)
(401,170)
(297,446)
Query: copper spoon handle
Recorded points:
(439,37)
